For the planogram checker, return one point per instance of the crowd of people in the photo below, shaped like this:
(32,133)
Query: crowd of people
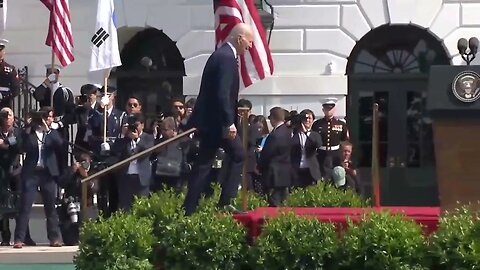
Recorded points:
(285,150)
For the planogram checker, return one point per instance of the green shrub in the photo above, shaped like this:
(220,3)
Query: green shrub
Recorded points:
(121,242)
(324,195)
(206,241)
(164,208)
(209,205)
(292,242)
(456,244)
(383,241)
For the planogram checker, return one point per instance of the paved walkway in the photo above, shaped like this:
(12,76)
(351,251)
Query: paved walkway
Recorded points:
(39,255)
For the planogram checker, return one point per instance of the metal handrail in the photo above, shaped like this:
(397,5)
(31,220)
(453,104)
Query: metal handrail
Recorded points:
(137,156)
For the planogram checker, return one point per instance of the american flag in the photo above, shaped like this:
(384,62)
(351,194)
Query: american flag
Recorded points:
(257,63)
(60,30)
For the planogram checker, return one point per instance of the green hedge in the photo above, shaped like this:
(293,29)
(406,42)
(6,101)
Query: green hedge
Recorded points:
(292,242)
(121,242)
(157,234)
(206,241)
(324,195)
(456,244)
(383,241)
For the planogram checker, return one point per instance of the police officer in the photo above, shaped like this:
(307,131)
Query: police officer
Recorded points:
(63,106)
(333,131)
(9,81)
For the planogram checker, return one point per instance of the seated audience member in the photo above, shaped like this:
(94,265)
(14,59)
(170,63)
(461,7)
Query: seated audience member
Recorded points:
(344,161)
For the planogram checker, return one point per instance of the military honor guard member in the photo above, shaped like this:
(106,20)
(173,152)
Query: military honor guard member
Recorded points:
(9,81)
(333,131)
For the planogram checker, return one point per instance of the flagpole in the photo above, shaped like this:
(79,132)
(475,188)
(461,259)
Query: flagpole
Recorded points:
(105,83)
(51,72)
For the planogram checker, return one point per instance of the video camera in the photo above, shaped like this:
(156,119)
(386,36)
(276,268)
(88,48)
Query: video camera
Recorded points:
(296,119)
(37,117)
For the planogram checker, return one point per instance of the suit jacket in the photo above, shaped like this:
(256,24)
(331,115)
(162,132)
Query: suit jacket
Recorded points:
(8,156)
(122,149)
(82,119)
(312,143)
(53,142)
(216,107)
(275,159)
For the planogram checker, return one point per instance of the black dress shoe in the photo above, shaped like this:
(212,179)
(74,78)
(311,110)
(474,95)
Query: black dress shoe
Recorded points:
(5,244)
(29,242)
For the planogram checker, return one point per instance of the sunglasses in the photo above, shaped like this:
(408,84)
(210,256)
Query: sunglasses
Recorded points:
(133,105)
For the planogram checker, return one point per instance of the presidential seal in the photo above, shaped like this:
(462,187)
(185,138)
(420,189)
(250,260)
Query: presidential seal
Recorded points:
(466,86)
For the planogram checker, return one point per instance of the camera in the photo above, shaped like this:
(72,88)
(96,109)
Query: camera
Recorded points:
(219,157)
(3,115)
(132,123)
(85,164)
(73,209)
(37,117)
(82,99)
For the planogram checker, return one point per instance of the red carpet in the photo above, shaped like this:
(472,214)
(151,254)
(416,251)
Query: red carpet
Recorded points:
(253,220)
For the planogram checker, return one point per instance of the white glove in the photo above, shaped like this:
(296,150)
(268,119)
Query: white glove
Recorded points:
(105,101)
(1,96)
(52,77)
(105,147)
(54,125)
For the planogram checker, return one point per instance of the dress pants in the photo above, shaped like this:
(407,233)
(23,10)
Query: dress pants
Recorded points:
(202,168)
(48,190)
(129,186)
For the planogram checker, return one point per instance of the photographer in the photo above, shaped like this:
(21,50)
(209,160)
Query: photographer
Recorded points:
(10,149)
(304,149)
(135,179)
(86,105)
(69,210)
(40,169)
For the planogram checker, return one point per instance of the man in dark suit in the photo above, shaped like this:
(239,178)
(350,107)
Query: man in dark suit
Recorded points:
(63,106)
(40,168)
(135,179)
(275,163)
(304,150)
(215,118)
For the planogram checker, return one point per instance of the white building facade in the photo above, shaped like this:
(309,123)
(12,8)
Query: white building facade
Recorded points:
(310,43)
(359,51)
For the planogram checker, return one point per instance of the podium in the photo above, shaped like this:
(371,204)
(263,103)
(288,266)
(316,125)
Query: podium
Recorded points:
(453,102)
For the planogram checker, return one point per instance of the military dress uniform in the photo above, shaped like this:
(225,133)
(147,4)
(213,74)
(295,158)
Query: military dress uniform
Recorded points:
(9,81)
(333,131)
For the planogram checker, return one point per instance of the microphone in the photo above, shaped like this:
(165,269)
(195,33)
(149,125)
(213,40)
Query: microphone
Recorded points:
(462,45)
(473,45)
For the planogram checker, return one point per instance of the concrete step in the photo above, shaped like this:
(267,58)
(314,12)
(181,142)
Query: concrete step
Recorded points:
(38,255)
(38,227)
